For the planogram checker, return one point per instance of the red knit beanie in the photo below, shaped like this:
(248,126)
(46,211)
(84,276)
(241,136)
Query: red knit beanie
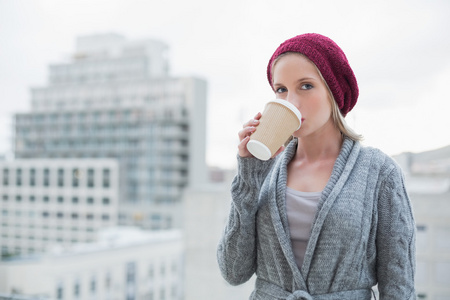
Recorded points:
(331,62)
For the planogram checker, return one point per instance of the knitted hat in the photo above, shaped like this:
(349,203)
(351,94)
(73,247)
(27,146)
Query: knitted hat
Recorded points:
(331,62)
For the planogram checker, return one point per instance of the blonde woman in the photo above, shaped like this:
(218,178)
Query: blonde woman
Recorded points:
(325,218)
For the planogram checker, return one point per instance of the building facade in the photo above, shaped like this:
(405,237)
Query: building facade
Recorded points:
(125,263)
(54,201)
(206,212)
(115,99)
(428,183)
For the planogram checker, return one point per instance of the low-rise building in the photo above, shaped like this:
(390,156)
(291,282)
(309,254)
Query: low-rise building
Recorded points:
(125,263)
(206,212)
(55,201)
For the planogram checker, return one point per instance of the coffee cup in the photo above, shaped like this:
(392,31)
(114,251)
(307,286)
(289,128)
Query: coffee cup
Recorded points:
(279,120)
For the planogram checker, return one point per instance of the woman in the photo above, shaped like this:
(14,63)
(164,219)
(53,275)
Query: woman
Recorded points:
(325,218)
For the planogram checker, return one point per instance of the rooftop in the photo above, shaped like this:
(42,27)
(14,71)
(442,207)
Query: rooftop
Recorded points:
(108,239)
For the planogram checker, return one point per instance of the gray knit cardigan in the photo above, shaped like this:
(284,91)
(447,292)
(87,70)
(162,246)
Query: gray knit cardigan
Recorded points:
(363,233)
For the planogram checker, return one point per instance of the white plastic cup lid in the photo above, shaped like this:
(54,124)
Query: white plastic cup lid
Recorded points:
(259,150)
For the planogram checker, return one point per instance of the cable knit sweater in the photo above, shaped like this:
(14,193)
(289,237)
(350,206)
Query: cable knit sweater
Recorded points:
(363,233)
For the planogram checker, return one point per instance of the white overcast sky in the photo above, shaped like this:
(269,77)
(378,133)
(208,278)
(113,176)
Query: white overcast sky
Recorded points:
(399,51)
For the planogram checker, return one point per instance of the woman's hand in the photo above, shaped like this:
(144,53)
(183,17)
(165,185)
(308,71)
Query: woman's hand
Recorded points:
(244,136)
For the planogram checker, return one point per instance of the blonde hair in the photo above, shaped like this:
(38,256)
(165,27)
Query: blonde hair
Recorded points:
(338,118)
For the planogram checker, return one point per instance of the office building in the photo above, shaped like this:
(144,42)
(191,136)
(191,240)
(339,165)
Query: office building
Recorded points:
(116,99)
(55,201)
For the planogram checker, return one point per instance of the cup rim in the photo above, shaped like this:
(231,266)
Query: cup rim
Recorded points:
(291,107)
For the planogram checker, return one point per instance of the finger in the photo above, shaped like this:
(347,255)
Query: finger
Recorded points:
(246,131)
(254,121)
(242,147)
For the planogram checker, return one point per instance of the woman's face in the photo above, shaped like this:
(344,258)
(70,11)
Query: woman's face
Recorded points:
(297,80)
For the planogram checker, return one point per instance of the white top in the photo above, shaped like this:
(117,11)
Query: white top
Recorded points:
(301,208)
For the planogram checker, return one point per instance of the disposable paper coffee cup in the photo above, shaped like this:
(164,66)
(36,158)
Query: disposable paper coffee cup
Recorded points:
(279,120)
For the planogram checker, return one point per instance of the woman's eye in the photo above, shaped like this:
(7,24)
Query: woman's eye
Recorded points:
(280,90)
(307,86)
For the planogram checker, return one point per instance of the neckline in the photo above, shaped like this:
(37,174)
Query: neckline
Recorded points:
(303,194)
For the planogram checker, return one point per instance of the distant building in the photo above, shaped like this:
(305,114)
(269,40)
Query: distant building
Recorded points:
(55,201)
(205,213)
(125,263)
(428,184)
(115,99)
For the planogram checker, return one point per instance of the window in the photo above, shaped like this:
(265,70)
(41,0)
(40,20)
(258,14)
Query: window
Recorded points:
(46,199)
(60,177)
(421,227)
(174,291)
(108,281)
(151,272)
(45,214)
(174,267)
(76,289)
(46,181)
(74,200)
(90,179)
(74,216)
(105,217)
(59,292)
(90,200)
(131,280)
(106,179)
(18,198)
(105,201)
(60,215)
(75,177)
(19,177)
(32,199)
(60,199)
(93,286)
(5,198)
(5,177)
(90,216)
(32,177)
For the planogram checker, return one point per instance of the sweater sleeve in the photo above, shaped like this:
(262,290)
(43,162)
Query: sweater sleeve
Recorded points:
(236,252)
(395,240)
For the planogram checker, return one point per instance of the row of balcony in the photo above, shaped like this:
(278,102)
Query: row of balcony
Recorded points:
(114,120)
(149,135)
